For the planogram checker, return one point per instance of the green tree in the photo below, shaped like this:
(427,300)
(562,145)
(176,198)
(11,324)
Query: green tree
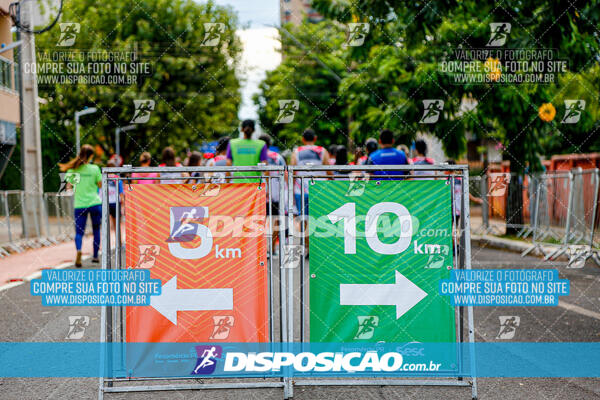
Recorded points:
(310,72)
(398,67)
(194,86)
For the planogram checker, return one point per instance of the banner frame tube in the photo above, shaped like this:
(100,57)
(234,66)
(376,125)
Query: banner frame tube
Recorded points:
(459,171)
(106,329)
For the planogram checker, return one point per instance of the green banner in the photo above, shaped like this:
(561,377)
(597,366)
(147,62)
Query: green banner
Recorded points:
(378,250)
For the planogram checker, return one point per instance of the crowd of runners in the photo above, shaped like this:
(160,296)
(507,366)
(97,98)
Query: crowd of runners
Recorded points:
(84,176)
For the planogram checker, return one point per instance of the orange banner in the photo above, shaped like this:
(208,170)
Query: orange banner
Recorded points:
(207,245)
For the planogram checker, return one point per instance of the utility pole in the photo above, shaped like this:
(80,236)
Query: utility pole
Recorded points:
(31,144)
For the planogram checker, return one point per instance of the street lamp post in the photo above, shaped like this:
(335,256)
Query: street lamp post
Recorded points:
(118,131)
(78,114)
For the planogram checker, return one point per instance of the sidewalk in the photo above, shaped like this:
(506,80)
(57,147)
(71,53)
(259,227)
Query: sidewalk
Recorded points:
(18,266)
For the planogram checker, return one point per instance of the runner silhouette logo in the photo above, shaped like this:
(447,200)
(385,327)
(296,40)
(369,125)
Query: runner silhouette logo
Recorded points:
(498,184)
(287,111)
(68,34)
(366,326)
(77,325)
(184,223)
(212,33)
(223,325)
(508,326)
(143,108)
(357,33)
(431,111)
(499,34)
(573,110)
(207,359)
(148,254)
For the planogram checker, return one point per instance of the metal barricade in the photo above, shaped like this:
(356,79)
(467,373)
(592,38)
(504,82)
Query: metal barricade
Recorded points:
(578,239)
(348,183)
(289,269)
(14,237)
(51,225)
(59,213)
(552,194)
(119,322)
(478,189)
(565,215)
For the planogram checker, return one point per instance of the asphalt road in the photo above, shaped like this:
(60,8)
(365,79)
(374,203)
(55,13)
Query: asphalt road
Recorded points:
(577,319)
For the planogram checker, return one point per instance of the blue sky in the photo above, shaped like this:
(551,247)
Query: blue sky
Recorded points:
(260,44)
(257,13)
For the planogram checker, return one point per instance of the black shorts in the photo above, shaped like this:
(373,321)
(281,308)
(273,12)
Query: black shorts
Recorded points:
(112,210)
(274,208)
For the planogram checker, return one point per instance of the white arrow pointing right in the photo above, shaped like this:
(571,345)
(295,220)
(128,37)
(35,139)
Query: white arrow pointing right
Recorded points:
(403,294)
(172,300)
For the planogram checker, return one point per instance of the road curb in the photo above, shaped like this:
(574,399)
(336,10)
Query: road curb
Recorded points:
(13,283)
(515,246)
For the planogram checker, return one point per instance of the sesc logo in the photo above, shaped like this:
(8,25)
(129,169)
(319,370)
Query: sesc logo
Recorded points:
(68,34)
(207,359)
(499,33)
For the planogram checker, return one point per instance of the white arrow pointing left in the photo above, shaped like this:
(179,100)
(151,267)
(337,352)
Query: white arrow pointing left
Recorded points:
(403,294)
(172,300)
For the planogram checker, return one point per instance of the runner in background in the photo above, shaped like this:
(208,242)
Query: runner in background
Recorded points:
(359,152)
(370,147)
(307,154)
(195,160)
(145,161)
(332,152)
(115,194)
(169,160)
(246,152)
(87,200)
(421,158)
(387,155)
(219,160)
(275,158)
(341,158)
(404,148)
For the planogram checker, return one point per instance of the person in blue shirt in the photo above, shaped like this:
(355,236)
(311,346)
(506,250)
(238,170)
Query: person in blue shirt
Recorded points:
(387,155)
